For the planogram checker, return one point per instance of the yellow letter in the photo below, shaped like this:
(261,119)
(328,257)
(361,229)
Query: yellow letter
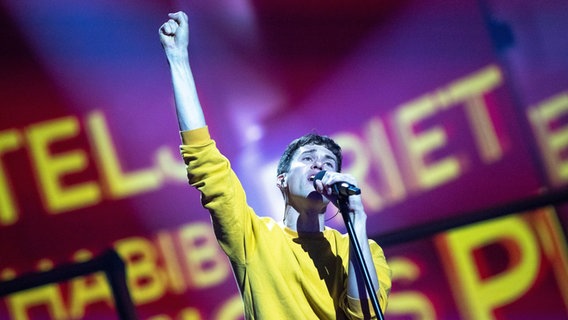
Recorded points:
(231,309)
(470,90)
(413,303)
(206,263)
(425,175)
(146,280)
(383,157)
(551,235)
(118,183)
(552,141)
(9,141)
(172,268)
(189,314)
(7,274)
(88,289)
(160,317)
(48,295)
(478,296)
(50,168)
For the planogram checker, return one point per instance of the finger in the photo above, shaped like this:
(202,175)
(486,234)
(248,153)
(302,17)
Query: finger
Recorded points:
(323,188)
(330,178)
(166,28)
(180,17)
(319,186)
(171,27)
(339,177)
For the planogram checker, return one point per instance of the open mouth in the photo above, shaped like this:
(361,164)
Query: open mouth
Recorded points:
(311,178)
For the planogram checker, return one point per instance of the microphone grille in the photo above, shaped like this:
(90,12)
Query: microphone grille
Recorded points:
(319,175)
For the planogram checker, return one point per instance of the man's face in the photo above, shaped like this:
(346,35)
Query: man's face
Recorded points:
(306,163)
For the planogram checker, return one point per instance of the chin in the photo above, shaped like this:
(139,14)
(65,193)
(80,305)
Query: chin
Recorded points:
(316,196)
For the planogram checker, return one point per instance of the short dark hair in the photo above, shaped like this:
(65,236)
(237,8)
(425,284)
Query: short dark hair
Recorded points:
(310,138)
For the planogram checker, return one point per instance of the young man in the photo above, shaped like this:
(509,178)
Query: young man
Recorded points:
(298,269)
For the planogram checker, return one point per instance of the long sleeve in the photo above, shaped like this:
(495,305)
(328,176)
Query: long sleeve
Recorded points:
(221,193)
(353,307)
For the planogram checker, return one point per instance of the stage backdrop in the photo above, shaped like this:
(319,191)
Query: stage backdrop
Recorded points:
(444,110)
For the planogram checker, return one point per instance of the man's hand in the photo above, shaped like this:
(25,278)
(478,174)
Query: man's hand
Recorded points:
(174,35)
(325,185)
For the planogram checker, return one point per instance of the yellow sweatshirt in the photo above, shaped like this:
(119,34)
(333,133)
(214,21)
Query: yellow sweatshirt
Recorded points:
(280,274)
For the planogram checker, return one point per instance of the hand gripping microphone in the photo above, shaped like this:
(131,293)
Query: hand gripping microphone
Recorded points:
(339,188)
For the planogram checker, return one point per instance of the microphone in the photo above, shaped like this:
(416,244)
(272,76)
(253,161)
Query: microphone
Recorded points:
(339,188)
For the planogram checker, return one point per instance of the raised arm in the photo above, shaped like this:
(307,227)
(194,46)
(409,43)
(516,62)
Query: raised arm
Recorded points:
(174,36)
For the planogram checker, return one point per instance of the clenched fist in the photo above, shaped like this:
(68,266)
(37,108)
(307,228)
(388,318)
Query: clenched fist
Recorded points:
(174,35)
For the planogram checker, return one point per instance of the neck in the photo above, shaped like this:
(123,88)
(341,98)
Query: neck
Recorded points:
(305,221)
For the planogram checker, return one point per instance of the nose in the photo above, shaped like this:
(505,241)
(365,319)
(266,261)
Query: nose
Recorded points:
(317,165)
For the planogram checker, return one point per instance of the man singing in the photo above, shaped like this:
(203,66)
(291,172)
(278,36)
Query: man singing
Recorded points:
(295,269)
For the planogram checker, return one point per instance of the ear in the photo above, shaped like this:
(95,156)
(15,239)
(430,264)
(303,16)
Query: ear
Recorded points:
(281,181)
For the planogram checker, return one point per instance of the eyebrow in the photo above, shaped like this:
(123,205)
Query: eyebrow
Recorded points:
(327,156)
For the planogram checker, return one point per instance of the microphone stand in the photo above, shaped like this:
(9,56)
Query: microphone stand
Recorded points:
(343,204)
